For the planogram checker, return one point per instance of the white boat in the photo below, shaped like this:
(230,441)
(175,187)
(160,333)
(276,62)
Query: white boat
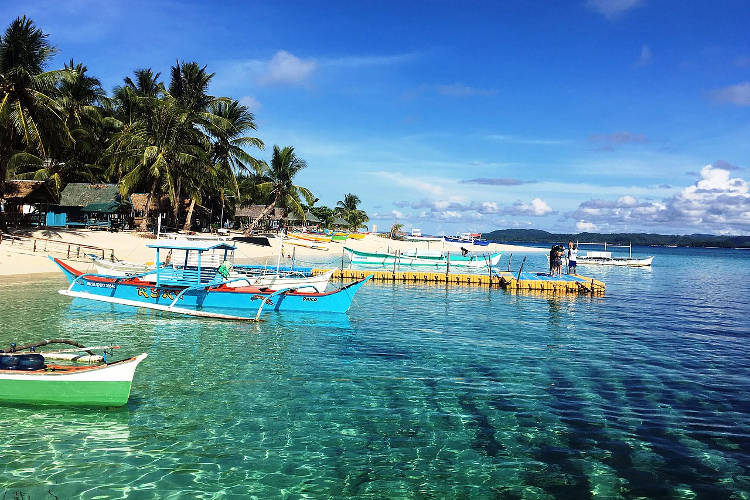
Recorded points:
(118,268)
(281,280)
(423,258)
(605,258)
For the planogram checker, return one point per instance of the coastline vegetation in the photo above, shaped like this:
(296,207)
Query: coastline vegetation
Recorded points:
(643,239)
(150,136)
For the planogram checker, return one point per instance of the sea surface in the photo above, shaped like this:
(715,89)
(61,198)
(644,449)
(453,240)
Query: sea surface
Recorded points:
(420,391)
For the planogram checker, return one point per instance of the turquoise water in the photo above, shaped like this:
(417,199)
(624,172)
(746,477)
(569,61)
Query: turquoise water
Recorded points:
(420,391)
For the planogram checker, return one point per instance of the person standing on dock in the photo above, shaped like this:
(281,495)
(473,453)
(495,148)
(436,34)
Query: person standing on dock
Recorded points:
(572,257)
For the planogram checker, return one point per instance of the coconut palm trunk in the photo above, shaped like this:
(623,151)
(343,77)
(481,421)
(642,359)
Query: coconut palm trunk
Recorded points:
(189,218)
(144,223)
(262,215)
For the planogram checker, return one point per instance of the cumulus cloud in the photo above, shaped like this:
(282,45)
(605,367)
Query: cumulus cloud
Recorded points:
(734,94)
(537,208)
(495,181)
(645,58)
(586,226)
(457,210)
(608,142)
(286,68)
(611,9)
(716,202)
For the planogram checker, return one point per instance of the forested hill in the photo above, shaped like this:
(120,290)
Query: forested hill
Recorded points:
(688,240)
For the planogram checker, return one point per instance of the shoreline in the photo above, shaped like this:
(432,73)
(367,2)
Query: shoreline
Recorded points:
(17,261)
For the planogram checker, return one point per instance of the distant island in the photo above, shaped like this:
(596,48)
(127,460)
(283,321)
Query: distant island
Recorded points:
(686,240)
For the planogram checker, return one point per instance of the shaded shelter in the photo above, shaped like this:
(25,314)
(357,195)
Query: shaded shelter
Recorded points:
(25,202)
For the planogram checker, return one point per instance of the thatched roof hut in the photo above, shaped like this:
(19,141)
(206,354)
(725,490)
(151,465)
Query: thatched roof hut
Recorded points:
(28,192)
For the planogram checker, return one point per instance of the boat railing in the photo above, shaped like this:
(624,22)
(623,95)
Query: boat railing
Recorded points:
(183,276)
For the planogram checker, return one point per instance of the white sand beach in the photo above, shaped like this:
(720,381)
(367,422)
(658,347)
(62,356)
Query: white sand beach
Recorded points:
(18,258)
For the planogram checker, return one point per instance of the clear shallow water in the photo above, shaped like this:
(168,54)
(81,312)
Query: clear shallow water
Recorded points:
(420,391)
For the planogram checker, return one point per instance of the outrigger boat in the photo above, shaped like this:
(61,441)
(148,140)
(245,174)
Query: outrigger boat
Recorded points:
(467,239)
(26,378)
(200,286)
(605,257)
(259,276)
(423,258)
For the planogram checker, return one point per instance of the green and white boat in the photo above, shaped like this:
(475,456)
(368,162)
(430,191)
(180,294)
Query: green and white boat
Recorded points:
(432,258)
(25,378)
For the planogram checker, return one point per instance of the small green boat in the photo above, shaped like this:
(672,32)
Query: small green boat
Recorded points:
(25,378)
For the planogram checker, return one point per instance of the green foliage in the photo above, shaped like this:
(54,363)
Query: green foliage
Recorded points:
(643,239)
(180,141)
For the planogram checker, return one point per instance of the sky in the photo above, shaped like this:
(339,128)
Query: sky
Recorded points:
(582,115)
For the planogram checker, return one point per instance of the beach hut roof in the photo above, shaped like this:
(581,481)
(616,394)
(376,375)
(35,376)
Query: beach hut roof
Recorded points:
(78,194)
(311,217)
(338,221)
(254,211)
(28,191)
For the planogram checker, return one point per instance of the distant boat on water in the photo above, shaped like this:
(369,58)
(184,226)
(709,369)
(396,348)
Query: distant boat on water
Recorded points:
(605,257)
(423,258)
(467,239)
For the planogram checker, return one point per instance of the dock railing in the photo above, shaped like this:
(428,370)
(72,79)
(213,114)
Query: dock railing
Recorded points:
(47,246)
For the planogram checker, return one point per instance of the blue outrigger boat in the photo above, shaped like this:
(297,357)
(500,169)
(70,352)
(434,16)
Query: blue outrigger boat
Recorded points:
(196,283)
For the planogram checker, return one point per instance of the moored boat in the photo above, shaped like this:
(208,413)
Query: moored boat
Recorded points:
(200,287)
(605,258)
(423,258)
(25,378)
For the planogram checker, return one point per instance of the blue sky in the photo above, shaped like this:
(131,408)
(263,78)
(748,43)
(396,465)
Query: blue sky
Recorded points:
(608,115)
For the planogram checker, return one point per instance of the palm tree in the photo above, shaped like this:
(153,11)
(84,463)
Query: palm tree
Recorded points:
(31,120)
(151,151)
(395,229)
(284,167)
(229,139)
(349,211)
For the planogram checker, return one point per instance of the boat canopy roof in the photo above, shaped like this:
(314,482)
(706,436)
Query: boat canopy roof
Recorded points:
(199,246)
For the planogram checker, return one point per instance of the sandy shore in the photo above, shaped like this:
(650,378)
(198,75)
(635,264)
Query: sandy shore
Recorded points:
(72,245)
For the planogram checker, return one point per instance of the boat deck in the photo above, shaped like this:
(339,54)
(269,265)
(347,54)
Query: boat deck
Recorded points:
(509,281)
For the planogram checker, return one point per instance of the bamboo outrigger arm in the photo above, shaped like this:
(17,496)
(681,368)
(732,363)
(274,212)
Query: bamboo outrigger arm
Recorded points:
(263,301)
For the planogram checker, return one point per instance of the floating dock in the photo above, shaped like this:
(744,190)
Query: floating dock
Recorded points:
(510,281)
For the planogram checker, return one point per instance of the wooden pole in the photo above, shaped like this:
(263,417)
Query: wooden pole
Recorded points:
(448,267)
(518,279)
(510,257)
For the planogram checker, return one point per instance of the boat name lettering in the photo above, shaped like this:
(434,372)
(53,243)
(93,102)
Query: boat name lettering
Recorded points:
(154,293)
(269,302)
(100,285)
(309,299)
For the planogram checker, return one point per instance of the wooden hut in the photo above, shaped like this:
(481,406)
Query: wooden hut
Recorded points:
(25,202)
(162,205)
(272,220)
(90,205)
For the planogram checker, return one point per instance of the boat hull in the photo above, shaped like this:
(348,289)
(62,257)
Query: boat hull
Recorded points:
(385,259)
(105,385)
(221,298)
(584,261)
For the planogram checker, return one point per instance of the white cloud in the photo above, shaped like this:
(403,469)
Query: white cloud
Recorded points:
(734,94)
(286,68)
(537,208)
(253,105)
(586,226)
(611,9)
(717,202)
